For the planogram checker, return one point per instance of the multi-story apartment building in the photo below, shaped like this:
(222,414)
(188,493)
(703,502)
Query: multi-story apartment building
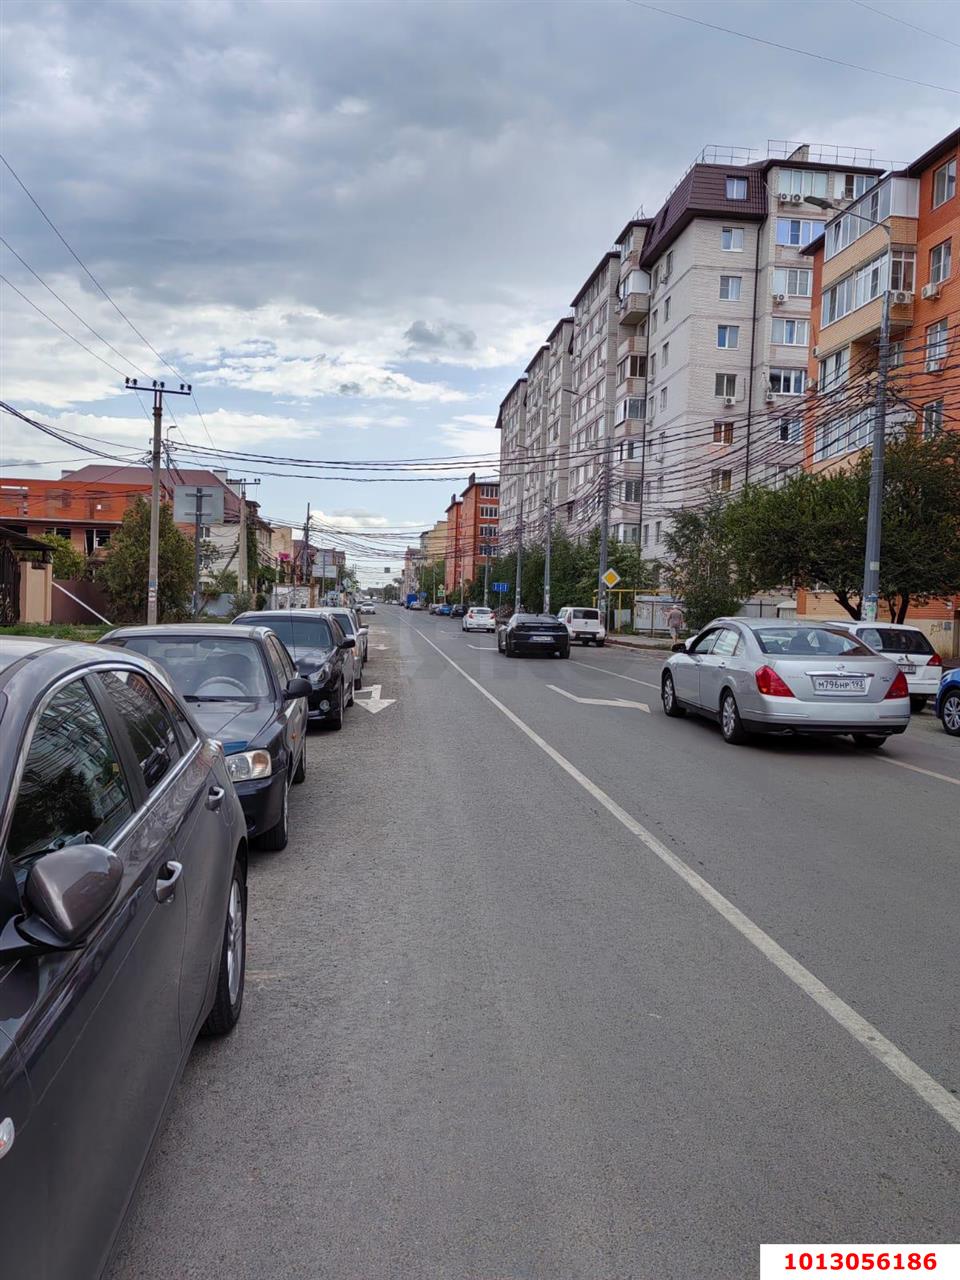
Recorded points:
(433,543)
(511,423)
(479,527)
(535,442)
(453,555)
(629,455)
(895,247)
(557,422)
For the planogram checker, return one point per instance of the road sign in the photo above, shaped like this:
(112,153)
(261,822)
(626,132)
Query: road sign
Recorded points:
(500,586)
(185,503)
(611,578)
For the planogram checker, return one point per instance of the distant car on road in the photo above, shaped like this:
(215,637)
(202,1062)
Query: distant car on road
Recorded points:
(322,653)
(445,610)
(368,607)
(243,689)
(351,625)
(414,604)
(585,625)
(479,618)
(457,610)
(528,633)
(910,649)
(757,676)
(123,899)
(947,705)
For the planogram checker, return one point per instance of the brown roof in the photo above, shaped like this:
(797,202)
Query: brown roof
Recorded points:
(540,352)
(95,473)
(942,148)
(557,327)
(611,253)
(519,383)
(702,193)
(634,222)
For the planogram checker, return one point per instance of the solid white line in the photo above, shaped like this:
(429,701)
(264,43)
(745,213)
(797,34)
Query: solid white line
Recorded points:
(864,1032)
(915,768)
(615,674)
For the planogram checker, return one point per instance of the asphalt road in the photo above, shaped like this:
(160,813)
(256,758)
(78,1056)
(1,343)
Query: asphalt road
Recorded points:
(492,1031)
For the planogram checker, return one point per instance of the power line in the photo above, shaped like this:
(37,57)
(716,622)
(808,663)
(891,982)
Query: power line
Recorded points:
(65,332)
(912,25)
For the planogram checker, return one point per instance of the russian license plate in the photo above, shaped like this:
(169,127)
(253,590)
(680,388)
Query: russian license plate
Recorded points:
(542,639)
(839,684)
(908,668)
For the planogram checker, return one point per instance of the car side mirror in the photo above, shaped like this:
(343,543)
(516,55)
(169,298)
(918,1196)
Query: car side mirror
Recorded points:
(679,646)
(364,631)
(348,642)
(67,891)
(297,687)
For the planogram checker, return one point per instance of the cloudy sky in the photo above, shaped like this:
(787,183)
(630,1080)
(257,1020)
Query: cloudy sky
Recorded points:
(351,224)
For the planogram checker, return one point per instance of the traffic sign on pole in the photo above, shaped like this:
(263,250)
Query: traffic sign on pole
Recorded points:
(500,587)
(611,578)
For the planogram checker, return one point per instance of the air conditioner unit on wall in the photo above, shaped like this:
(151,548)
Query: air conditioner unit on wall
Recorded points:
(902,296)
(769,397)
(729,401)
(778,298)
(930,291)
(795,199)
(784,197)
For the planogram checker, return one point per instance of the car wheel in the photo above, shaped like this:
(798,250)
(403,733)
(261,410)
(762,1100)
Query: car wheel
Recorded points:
(358,678)
(917,701)
(233,956)
(301,773)
(276,838)
(950,714)
(869,741)
(564,652)
(731,726)
(499,643)
(351,700)
(337,721)
(584,641)
(668,696)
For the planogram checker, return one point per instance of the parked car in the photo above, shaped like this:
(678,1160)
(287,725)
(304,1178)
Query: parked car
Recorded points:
(445,610)
(947,705)
(533,633)
(585,625)
(244,690)
(758,676)
(478,618)
(433,608)
(351,625)
(368,607)
(457,610)
(123,899)
(910,649)
(414,604)
(322,654)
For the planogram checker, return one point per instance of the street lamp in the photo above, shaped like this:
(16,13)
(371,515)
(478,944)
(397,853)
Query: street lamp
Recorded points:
(871,561)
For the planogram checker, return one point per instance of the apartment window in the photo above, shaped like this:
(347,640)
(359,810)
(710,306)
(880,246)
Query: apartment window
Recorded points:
(902,269)
(488,513)
(646,535)
(723,433)
(631,490)
(58,533)
(797,232)
(833,370)
(787,382)
(720,481)
(932,418)
(663,397)
(936,345)
(861,287)
(939,262)
(666,310)
(731,238)
(790,333)
(627,450)
(661,448)
(653,365)
(790,430)
(794,282)
(944,183)
(736,188)
(632,367)
(488,491)
(654,321)
(895,358)
(728,336)
(802,182)
(660,486)
(668,264)
(730,288)
(665,355)
(725,384)
(858,220)
(856,184)
(631,407)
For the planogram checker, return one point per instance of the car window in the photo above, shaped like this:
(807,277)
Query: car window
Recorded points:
(727,642)
(147,722)
(217,669)
(297,632)
(891,641)
(346,622)
(704,643)
(813,642)
(591,615)
(280,661)
(73,789)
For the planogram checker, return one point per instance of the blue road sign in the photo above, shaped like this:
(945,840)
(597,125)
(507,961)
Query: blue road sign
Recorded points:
(500,586)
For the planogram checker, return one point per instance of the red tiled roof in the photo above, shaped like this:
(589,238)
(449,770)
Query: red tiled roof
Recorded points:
(95,473)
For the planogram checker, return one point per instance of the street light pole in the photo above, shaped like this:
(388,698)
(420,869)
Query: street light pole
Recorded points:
(546,558)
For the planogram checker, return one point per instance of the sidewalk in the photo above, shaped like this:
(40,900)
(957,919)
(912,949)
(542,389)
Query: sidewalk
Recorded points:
(658,644)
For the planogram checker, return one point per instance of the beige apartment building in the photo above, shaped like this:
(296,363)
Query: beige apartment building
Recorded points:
(557,426)
(511,423)
(433,543)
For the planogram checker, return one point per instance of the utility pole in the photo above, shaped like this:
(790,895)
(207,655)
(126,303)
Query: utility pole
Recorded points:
(160,390)
(197,514)
(871,560)
(486,576)
(604,531)
(517,594)
(546,558)
(243,568)
(305,555)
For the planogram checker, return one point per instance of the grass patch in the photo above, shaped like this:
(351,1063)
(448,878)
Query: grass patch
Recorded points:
(56,631)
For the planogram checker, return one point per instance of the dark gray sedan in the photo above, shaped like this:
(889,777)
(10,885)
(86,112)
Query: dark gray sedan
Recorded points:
(122,935)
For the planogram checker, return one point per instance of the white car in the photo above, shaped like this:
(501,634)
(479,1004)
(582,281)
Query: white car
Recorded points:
(910,649)
(368,607)
(584,625)
(478,618)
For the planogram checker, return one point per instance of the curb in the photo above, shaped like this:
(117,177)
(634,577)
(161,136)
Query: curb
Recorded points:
(644,648)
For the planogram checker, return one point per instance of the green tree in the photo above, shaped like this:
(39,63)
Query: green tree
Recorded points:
(124,571)
(68,562)
(701,570)
(428,575)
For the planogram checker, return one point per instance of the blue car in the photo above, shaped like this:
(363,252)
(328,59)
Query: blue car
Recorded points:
(445,610)
(947,705)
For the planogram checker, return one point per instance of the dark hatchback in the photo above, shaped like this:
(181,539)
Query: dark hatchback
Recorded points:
(122,935)
(527,633)
(244,690)
(321,651)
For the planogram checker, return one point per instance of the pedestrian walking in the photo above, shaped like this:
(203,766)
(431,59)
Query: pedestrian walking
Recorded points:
(675,621)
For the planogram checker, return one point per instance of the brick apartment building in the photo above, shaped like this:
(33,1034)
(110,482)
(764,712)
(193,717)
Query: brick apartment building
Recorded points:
(472,535)
(85,512)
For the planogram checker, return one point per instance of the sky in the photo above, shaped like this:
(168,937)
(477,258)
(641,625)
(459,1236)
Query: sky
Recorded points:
(350,225)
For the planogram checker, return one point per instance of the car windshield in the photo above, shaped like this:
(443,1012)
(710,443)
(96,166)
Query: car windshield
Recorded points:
(810,642)
(207,670)
(889,640)
(591,615)
(297,632)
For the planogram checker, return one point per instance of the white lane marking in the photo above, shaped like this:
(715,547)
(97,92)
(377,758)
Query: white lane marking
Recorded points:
(600,702)
(370,699)
(865,1033)
(915,768)
(615,674)
(482,648)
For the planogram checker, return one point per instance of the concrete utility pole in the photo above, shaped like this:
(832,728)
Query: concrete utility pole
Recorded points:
(197,515)
(546,556)
(305,555)
(517,600)
(604,528)
(160,390)
(486,576)
(242,573)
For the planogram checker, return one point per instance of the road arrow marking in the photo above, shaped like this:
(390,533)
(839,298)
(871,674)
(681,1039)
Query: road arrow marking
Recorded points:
(483,648)
(600,702)
(371,700)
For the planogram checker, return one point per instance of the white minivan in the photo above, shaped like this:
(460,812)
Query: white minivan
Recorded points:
(583,624)
(910,649)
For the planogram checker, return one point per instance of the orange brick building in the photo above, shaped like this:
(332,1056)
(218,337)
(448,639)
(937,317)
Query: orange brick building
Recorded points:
(473,531)
(915,254)
(84,513)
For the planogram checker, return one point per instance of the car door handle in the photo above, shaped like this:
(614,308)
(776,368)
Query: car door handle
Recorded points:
(721,665)
(215,797)
(167,883)
(7,1134)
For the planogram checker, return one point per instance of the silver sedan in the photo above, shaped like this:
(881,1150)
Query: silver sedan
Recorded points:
(768,676)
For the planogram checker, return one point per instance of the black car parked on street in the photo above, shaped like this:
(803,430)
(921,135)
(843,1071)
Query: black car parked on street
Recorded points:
(533,633)
(244,690)
(123,895)
(321,651)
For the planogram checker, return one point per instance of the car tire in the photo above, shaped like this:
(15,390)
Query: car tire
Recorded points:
(917,702)
(869,741)
(950,715)
(600,643)
(275,839)
(337,721)
(669,699)
(564,652)
(731,726)
(301,771)
(228,1001)
(351,700)
(358,679)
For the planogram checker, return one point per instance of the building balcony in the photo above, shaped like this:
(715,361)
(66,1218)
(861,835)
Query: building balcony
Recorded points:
(633,307)
(864,323)
(631,345)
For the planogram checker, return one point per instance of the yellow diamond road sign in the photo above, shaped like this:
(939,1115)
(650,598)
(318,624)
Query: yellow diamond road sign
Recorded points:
(611,578)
